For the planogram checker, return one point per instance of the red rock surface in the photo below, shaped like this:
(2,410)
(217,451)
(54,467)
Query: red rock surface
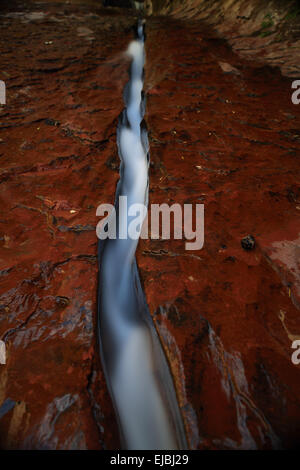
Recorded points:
(226,136)
(266,30)
(64,70)
(229,141)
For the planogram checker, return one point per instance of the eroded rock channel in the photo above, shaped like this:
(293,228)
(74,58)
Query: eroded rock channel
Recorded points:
(136,369)
(222,131)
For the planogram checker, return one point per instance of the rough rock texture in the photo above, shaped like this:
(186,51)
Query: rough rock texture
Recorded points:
(223,132)
(268,29)
(64,71)
(226,137)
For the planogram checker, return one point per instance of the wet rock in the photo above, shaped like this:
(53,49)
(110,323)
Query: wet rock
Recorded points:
(217,310)
(229,347)
(265,32)
(54,145)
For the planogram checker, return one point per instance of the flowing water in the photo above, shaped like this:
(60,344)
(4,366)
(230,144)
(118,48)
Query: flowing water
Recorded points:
(134,363)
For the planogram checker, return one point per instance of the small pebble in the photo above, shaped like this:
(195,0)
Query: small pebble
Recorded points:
(248,243)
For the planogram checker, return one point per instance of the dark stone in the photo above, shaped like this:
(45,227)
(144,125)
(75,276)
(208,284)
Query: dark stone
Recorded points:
(248,243)
(52,122)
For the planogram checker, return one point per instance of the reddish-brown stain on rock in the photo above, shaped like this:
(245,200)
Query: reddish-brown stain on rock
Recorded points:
(229,141)
(226,136)
(64,93)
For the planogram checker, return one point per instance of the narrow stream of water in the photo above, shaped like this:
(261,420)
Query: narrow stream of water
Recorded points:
(135,367)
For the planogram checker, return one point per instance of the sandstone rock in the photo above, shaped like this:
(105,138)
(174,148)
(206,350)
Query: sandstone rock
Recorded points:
(227,68)
(225,317)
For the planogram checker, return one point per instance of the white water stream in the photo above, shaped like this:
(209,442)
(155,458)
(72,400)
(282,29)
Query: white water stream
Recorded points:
(134,363)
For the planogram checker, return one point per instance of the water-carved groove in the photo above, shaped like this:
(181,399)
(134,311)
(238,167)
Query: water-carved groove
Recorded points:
(135,367)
